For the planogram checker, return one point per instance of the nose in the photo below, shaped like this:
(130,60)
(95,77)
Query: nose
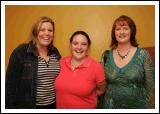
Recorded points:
(46,32)
(121,31)
(79,46)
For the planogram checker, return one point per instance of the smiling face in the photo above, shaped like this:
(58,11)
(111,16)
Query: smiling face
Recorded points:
(79,47)
(122,32)
(45,34)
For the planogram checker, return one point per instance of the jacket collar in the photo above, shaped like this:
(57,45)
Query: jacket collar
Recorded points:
(32,49)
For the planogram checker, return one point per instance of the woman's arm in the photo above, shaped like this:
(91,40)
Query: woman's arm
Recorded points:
(150,81)
(13,75)
(100,87)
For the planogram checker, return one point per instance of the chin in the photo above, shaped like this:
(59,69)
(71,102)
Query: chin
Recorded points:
(45,44)
(79,58)
(122,41)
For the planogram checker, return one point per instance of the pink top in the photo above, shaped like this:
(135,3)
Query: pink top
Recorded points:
(76,89)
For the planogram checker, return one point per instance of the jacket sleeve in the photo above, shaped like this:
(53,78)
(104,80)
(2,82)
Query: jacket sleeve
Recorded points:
(12,78)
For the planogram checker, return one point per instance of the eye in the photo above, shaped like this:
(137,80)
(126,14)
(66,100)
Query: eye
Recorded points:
(42,29)
(117,29)
(84,44)
(126,28)
(50,30)
(74,43)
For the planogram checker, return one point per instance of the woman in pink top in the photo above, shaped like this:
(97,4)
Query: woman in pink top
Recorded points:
(81,79)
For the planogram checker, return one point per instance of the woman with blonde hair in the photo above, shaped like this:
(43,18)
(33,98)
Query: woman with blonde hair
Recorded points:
(32,70)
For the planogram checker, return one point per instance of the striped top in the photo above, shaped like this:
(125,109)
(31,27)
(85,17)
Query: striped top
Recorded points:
(47,73)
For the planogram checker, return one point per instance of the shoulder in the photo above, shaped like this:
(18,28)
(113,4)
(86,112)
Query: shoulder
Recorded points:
(143,51)
(19,52)
(21,48)
(94,62)
(53,50)
(143,54)
(104,56)
(106,53)
(65,59)
(98,70)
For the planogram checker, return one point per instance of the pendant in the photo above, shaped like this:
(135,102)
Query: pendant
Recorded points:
(121,56)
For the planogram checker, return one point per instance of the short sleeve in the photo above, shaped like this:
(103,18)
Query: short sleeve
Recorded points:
(99,73)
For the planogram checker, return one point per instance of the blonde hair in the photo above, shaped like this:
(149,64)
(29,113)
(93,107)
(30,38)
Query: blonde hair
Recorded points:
(36,28)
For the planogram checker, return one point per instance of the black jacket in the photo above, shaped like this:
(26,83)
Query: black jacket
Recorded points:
(20,83)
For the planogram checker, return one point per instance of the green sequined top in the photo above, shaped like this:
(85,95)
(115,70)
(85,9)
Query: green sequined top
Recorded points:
(131,86)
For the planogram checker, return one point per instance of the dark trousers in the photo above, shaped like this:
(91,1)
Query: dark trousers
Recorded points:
(50,106)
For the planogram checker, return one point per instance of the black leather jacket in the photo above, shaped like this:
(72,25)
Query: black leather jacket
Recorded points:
(20,83)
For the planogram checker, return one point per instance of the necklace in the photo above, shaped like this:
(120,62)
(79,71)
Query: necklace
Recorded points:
(73,64)
(122,56)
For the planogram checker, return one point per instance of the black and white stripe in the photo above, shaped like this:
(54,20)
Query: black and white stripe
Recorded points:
(47,73)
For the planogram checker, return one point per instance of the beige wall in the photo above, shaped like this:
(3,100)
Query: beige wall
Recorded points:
(95,20)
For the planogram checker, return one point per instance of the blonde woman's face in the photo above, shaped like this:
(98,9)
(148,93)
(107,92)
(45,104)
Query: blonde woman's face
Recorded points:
(79,47)
(45,35)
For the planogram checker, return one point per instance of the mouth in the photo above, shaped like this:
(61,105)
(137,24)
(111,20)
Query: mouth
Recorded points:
(122,36)
(46,38)
(78,52)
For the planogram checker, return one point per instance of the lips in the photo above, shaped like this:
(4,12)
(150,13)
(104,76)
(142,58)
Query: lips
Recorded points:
(46,38)
(79,52)
(122,36)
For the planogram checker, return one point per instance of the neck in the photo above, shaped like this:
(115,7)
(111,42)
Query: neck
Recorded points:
(43,51)
(76,62)
(123,47)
